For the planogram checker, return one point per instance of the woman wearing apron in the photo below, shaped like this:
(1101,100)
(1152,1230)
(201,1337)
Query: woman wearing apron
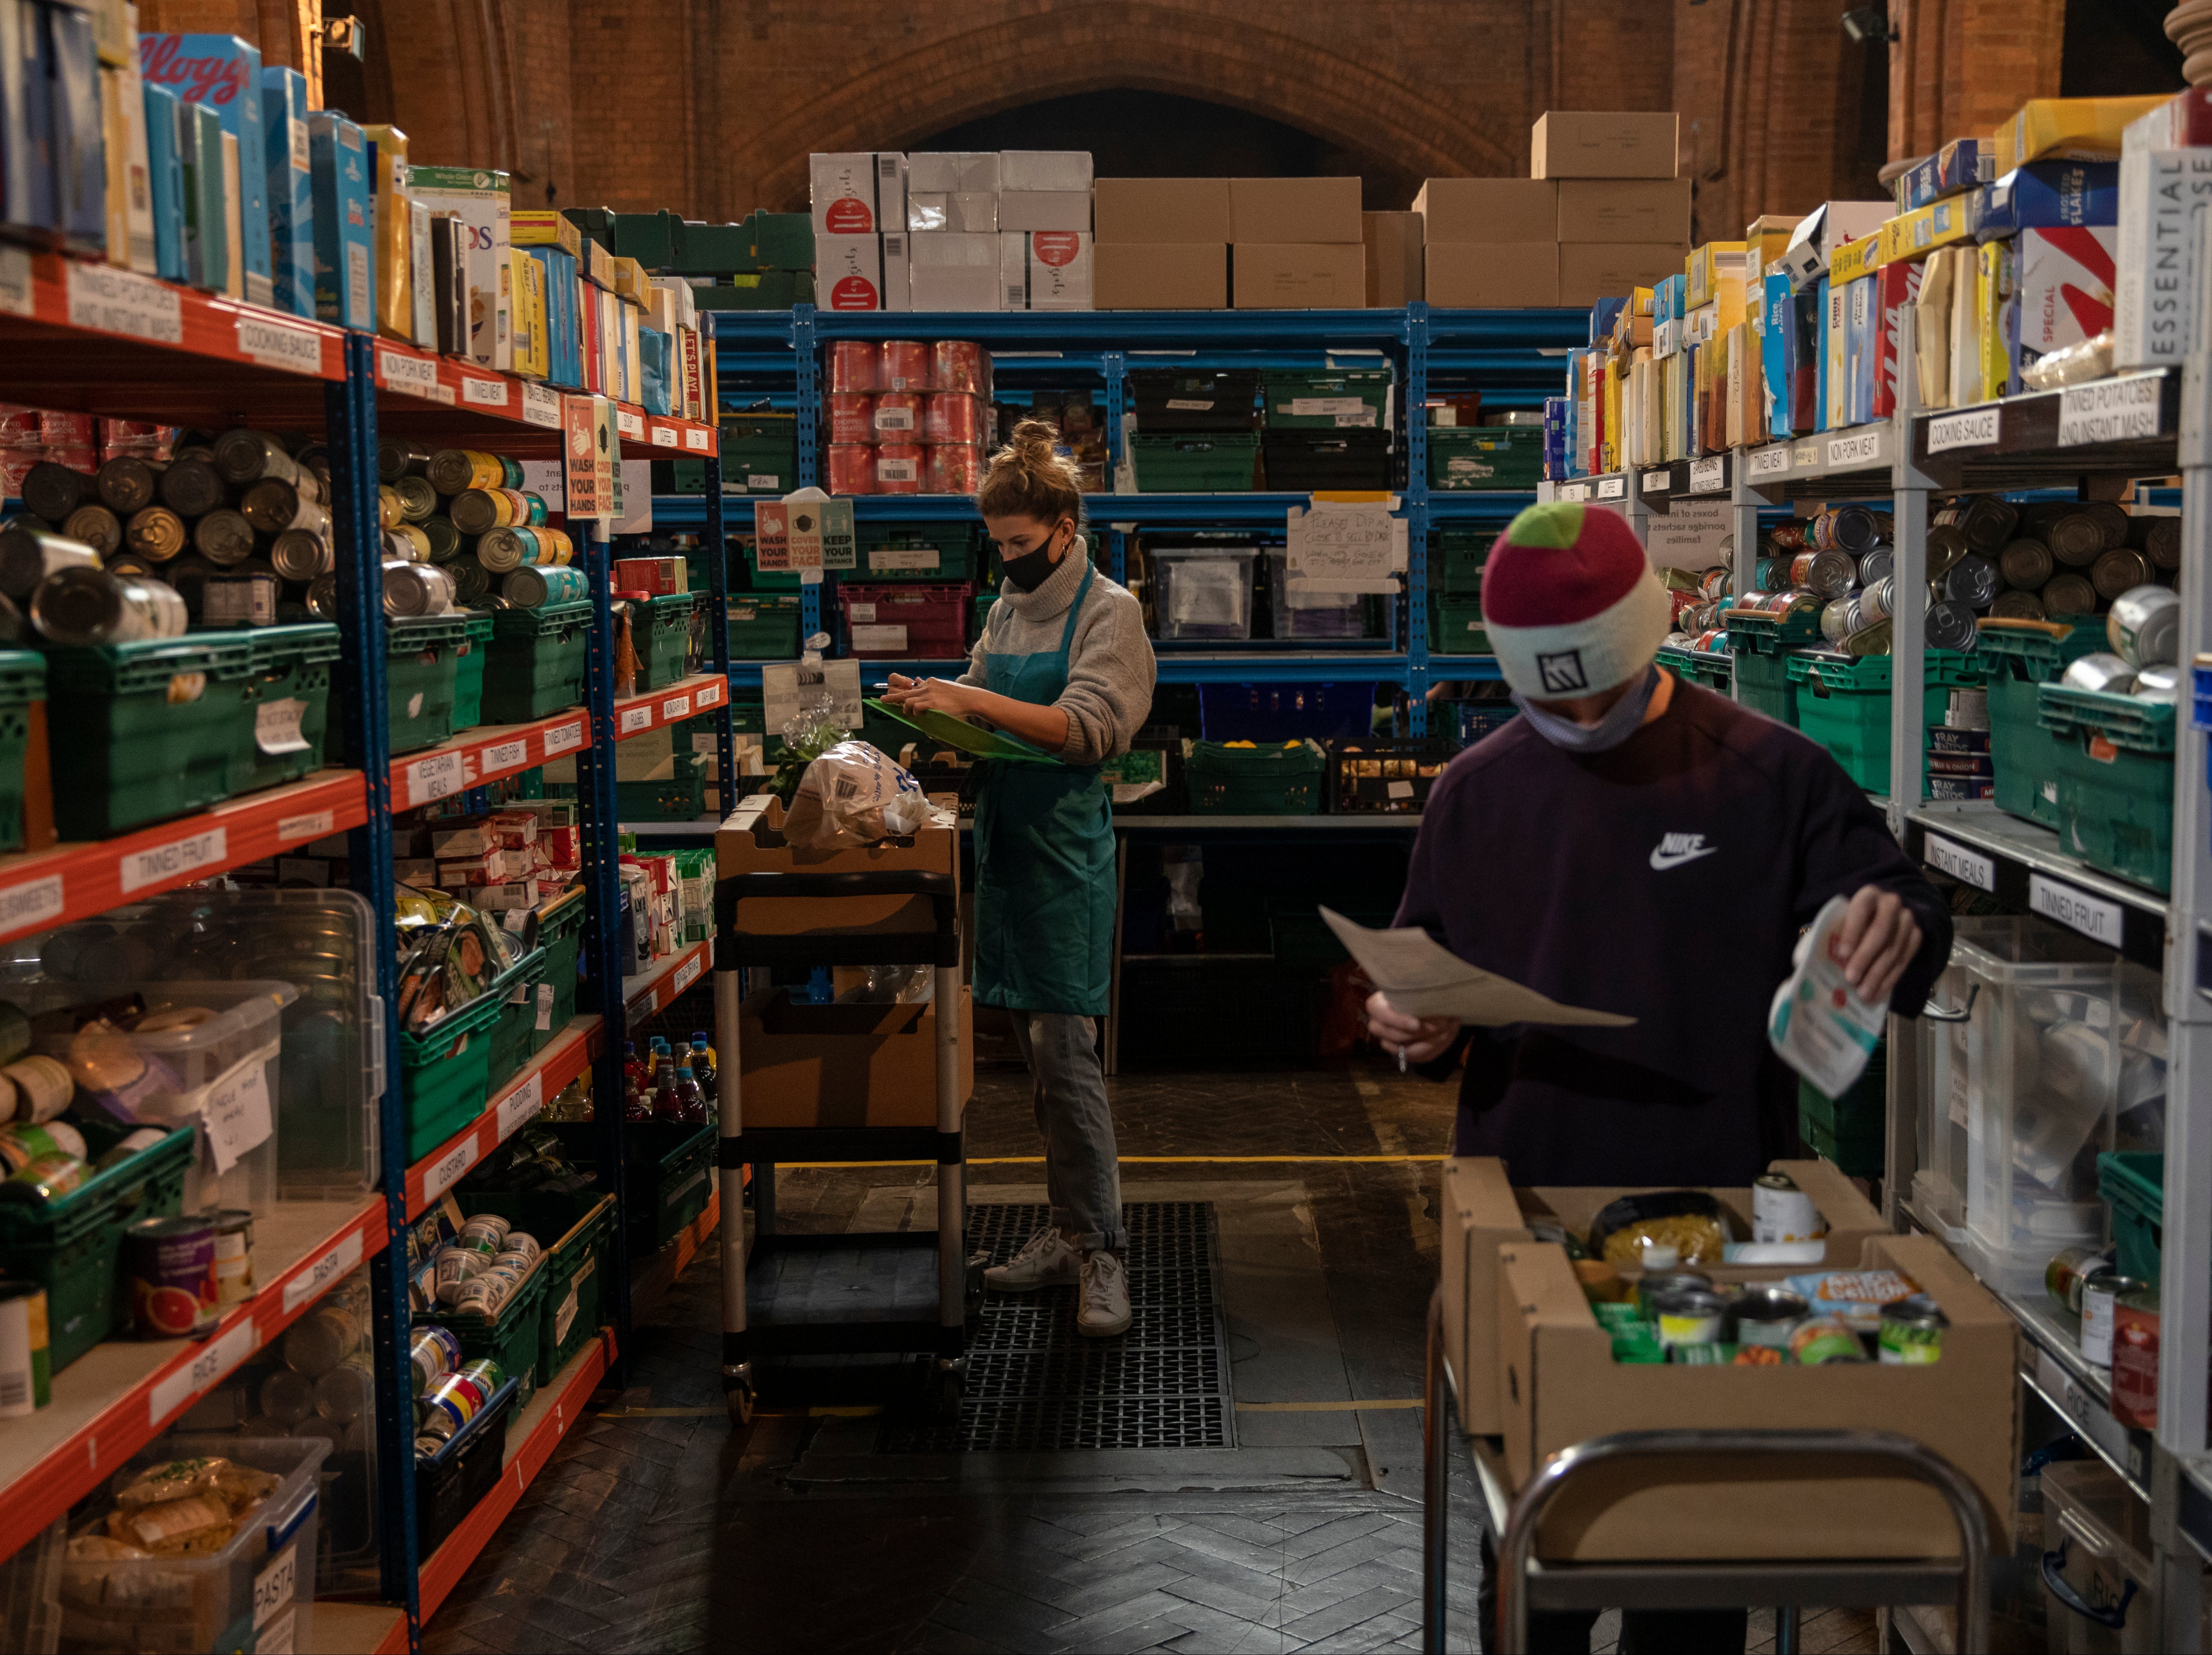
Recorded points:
(1064,664)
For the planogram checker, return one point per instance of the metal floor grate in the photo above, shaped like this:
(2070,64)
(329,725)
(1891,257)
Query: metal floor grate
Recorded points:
(1035,1383)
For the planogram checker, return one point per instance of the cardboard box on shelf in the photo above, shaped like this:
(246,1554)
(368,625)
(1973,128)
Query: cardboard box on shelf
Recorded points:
(2047,194)
(479,198)
(1820,232)
(1471,211)
(535,229)
(1709,268)
(945,172)
(2162,196)
(956,212)
(1294,211)
(2068,128)
(852,1065)
(1482,1212)
(1044,169)
(1165,276)
(1044,210)
(861,193)
(2063,282)
(1044,270)
(1594,143)
(1763,240)
(953,272)
(861,272)
(1519,276)
(1396,248)
(1591,271)
(1298,276)
(1624,210)
(345,261)
(1161,211)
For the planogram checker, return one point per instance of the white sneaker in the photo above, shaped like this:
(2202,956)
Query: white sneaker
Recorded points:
(1103,1310)
(1045,1260)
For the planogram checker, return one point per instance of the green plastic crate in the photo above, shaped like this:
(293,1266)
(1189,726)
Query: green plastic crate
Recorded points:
(780,241)
(536,666)
(668,1175)
(2021,656)
(1843,703)
(1286,780)
(2133,1182)
(763,580)
(679,798)
(574,1229)
(509,1336)
(757,290)
(1455,561)
(73,1246)
(1762,644)
(652,239)
(1226,464)
(512,1036)
(421,658)
(561,934)
(1455,625)
(141,731)
(668,639)
(916,552)
(1850,1130)
(983,603)
(765,626)
(2113,759)
(291,664)
(445,1070)
(469,671)
(1701,668)
(1474,458)
(1281,391)
(23,682)
(1764,684)
(760,453)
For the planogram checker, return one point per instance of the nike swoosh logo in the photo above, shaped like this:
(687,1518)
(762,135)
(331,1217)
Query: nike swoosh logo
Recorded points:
(1662,860)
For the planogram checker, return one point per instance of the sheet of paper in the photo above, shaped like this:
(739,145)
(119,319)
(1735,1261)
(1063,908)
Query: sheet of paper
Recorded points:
(1345,546)
(1424,979)
(968,738)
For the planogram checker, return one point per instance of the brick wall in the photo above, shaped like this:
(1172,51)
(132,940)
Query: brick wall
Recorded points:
(1962,66)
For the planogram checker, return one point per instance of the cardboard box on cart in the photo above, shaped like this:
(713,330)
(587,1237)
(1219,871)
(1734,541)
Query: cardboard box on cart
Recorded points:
(1483,1212)
(838,1066)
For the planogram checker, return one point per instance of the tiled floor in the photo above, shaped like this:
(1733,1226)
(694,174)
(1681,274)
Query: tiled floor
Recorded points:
(655,1528)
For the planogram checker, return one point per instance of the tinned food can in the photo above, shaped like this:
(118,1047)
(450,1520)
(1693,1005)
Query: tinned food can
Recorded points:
(1822,1339)
(97,527)
(2135,1357)
(1911,1333)
(453,471)
(959,365)
(1691,1316)
(1780,1211)
(954,468)
(899,468)
(224,538)
(851,416)
(902,365)
(898,417)
(26,1356)
(433,1353)
(535,585)
(852,366)
(169,1265)
(2099,1297)
(1656,1286)
(234,1256)
(848,468)
(1767,1313)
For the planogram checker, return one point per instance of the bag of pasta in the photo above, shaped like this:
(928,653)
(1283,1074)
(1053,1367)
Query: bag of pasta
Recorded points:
(851,796)
(1694,1225)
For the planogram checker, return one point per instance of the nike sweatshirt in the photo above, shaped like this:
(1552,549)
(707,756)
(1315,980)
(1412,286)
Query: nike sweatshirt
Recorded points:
(1667,879)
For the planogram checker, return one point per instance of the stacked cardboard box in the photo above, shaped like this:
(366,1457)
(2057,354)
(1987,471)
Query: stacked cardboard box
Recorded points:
(952,226)
(1296,244)
(1044,229)
(1163,244)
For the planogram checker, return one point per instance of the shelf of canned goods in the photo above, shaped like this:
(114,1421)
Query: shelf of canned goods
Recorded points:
(2082,866)
(333,1107)
(785,379)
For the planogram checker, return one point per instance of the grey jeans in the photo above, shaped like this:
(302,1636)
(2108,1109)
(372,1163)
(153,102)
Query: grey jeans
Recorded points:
(1082,1175)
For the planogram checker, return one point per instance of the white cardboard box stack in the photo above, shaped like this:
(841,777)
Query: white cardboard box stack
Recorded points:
(953,231)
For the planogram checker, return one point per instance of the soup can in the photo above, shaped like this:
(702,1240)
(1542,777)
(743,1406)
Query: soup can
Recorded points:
(432,1352)
(2144,627)
(1657,1284)
(898,468)
(471,583)
(1821,1339)
(1946,546)
(848,468)
(1972,581)
(952,416)
(2027,564)
(2135,1356)
(1780,1211)
(1911,1333)
(96,527)
(412,588)
(126,484)
(323,597)
(300,554)
(902,365)
(85,606)
(245,596)
(474,511)
(535,585)
(159,532)
(286,1395)
(1950,625)
(397,458)
(2100,1295)
(1836,620)
(445,540)
(347,1391)
(1983,522)
(244,456)
(1877,564)
(2158,538)
(2016,606)
(191,487)
(1828,575)
(273,506)
(234,1256)
(391,510)
(53,491)
(954,468)
(898,417)
(2076,539)
(2117,572)
(457,1398)
(452,471)
(2068,594)
(1765,1312)
(418,500)
(852,365)
(322,1339)
(851,416)
(25,1357)
(1693,1315)
(224,538)
(554,544)
(169,1265)
(959,365)
(503,549)
(1878,601)
(485,1375)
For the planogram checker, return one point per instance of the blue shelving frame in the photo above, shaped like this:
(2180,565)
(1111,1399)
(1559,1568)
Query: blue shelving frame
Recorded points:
(1515,356)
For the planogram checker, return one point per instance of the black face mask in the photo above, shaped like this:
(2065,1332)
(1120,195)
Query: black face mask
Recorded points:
(1031,569)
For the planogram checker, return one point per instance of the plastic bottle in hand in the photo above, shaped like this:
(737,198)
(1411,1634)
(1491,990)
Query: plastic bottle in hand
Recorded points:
(702,1067)
(690,1102)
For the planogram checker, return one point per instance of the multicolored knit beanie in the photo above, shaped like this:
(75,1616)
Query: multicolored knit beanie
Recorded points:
(1571,602)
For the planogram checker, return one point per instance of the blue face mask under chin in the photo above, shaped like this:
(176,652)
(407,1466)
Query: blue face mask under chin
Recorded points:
(1622,720)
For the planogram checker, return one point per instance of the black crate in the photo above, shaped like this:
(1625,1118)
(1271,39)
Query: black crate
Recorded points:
(1176,399)
(450,1486)
(1299,461)
(1386,777)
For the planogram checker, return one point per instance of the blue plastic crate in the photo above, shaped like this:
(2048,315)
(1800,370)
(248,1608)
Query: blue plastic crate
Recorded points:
(2204,697)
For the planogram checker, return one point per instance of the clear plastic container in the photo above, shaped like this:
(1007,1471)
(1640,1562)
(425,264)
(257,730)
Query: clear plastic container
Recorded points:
(1313,614)
(1945,1122)
(1202,592)
(2045,1061)
(2097,1539)
(258,1591)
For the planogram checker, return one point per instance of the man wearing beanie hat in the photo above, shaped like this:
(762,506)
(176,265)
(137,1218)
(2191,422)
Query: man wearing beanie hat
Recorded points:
(1637,845)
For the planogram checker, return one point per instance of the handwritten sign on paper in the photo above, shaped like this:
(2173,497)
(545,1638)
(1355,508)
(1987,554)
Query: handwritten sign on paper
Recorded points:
(1345,546)
(1695,534)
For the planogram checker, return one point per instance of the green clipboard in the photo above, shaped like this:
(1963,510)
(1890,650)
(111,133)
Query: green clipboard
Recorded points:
(968,738)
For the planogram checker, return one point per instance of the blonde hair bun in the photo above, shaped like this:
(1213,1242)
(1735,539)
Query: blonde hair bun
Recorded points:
(1030,477)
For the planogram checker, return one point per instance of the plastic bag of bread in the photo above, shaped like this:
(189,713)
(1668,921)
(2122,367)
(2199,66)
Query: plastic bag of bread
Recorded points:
(851,796)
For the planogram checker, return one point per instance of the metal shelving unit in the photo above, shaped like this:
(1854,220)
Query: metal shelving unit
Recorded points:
(2080,439)
(95,340)
(773,354)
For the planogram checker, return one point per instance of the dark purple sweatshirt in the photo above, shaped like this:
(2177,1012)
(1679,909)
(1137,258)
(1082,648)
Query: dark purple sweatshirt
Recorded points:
(1667,879)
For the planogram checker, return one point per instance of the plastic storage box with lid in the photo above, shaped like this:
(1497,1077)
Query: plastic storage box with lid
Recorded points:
(257,1592)
(2112,758)
(139,731)
(765,626)
(2065,1059)
(1215,463)
(470,654)
(907,622)
(1318,615)
(291,703)
(536,665)
(2099,1570)
(1939,1182)
(1843,703)
(422,657)
(2019,655)
(23,687)
(1478,458)
(1202,592)
(663,651)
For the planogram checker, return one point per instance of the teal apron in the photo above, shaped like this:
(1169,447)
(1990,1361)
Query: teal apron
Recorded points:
(1044,860)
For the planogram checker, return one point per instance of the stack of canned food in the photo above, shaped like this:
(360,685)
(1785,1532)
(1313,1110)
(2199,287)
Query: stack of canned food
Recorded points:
(2143,627)
(448,1392)
(906,416)
(460,531)
(1702,599)
(1678,1315)
(477,1268)
(231,530)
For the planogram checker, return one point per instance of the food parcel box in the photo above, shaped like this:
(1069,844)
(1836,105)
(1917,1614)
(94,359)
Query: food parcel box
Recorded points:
(1562,1386)
(839,1065)
(1482,1212)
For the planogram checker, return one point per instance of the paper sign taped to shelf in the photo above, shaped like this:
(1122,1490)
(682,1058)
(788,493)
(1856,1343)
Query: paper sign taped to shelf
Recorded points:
(676,707)
(1655,483)
(1345,546)
(400,370)
(629,424)
(1769,462)
(438,776)
(179,858)
(115,300)
(588,456)
(664,436)
(1707,475)
(564,738)
(277,726)
(274,1588)
(33,903)
(1571,491)
(1960,863)
(274,345)
(214,1359)
(234,1109)
(634,719)
(1612,487)
(541,405)
(2093,917)
(2109,411)
(1977,428)
(1864,448)
(2090,1414)
(1693,534)
(806,530)
(543,477)
(16,297)
(448,1170)
(686,975)
(788,688)
(707,695)
(315,825)
(483,393)
(507,756)
(525,1100)
(701,440)
(320,1276)
(635,498)
(545,1018)
(280,1636)
(883,637)
(1423,979)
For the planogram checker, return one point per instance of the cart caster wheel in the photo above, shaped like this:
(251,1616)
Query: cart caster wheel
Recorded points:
(741,1401)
